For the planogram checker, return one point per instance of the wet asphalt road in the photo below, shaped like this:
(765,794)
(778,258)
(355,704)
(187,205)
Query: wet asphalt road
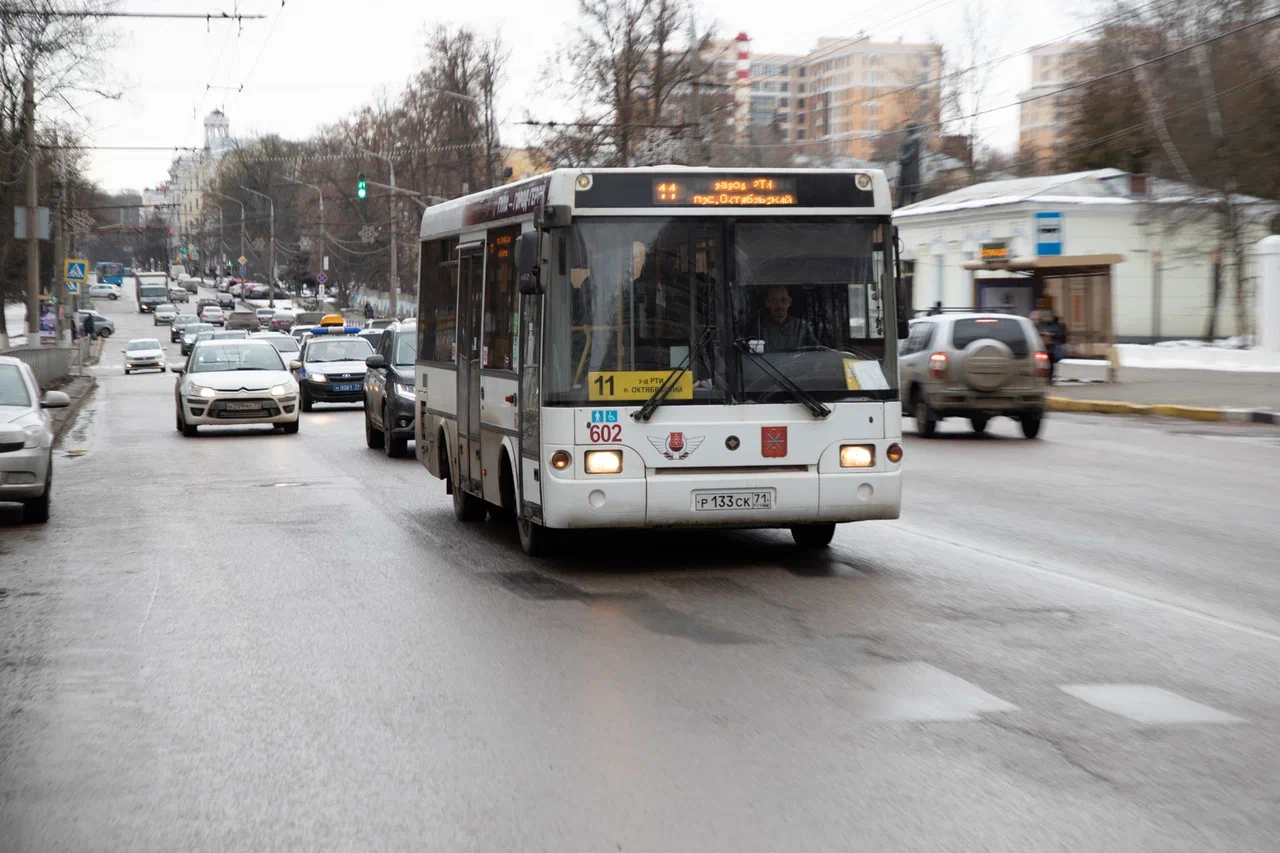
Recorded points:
(252,641)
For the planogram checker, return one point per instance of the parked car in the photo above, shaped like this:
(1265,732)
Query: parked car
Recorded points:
(975,366)
(235,289)
(389,389)
(104,290)
(175,327)
(213,314)
(212,387)
(378,324)
(223,285)
(282,321)
(26,439)
(163,314)
(247,320)
(143,354)
(103,327)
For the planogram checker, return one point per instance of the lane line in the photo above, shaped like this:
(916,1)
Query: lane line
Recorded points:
(1200,611)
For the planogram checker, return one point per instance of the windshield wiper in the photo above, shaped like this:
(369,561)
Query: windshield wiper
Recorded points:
(802,396)
(673,378)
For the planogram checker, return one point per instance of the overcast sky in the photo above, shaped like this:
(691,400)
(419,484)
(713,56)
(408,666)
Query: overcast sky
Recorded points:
(312,61)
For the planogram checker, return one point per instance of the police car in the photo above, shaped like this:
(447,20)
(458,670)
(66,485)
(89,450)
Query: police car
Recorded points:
(333,365)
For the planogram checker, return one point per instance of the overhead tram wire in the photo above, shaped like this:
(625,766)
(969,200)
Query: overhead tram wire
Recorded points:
(209,17)
(263,49)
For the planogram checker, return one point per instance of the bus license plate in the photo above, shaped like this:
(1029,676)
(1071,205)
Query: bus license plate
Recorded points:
(718,501)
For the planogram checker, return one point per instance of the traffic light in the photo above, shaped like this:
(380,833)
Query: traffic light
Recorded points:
(361,189)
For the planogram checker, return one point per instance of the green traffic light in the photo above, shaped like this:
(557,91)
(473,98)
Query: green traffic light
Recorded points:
(361,189)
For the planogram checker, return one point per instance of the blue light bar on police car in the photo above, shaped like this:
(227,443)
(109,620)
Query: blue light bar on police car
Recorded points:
(334,330)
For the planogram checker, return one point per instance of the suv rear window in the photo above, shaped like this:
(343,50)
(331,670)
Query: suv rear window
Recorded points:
(1009,332)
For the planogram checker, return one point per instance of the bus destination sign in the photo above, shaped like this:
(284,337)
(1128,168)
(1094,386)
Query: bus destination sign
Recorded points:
(726,191)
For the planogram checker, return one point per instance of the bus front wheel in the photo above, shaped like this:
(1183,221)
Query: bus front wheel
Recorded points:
(535,540)
(813,535)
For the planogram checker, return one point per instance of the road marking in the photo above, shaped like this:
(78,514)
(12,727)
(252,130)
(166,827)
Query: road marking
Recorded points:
(918,692)
(1144,703)
(1199,611)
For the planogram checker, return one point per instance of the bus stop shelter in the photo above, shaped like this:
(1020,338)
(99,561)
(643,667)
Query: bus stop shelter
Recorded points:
(1076,287)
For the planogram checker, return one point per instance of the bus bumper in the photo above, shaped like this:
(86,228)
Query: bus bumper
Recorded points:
(671,500)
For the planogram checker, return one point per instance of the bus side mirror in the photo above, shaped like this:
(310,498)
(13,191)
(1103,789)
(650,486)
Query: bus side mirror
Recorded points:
(527,263)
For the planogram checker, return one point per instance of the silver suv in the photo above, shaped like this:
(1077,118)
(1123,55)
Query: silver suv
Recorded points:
(973,366)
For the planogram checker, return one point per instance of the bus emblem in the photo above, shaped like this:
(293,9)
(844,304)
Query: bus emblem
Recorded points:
(773,442)
(676,446)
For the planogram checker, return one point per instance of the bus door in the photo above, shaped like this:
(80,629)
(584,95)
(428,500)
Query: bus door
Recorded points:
(471,319)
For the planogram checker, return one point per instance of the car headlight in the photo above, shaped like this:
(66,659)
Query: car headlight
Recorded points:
(404,390)
(34,434)
(279,390)
(317,377)
(208,393)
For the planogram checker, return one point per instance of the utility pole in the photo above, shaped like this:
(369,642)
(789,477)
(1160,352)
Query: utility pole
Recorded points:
(695,113)
(320,195)
(271,275)
(395,280)
(33,202)
(239,202)
(62,311)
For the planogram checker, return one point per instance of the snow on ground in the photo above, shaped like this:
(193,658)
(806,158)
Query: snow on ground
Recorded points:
(1185,355)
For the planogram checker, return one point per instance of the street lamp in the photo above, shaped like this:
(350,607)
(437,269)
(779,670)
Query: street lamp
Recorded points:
(320,195)
(239,202)
(271,285)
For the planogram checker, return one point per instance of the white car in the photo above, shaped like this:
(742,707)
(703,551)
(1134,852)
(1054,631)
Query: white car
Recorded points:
(235,289)
(26,439)
(143,354)
(110,291)
(212,314)
(164,314)
(241,381)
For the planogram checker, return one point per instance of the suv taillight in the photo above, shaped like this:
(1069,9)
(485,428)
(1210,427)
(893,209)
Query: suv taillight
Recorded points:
(938,365)
(1042,365)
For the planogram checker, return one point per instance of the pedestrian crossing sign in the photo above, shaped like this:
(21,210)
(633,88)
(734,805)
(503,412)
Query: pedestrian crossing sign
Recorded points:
(75,269)
(73,287)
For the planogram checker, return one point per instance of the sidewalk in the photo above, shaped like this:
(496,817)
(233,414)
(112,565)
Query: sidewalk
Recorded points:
(1204,394)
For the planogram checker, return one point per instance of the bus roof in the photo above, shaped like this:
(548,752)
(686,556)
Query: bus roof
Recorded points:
(643,191)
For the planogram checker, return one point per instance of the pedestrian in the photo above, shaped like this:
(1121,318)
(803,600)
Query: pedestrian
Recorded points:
(1054,335)
(368,310)
(936,309)
(88,326)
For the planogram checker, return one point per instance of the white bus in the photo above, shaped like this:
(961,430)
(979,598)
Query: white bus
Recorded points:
(663,347)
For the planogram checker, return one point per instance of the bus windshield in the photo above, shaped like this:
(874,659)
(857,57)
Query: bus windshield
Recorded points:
(110,273)
(630,298)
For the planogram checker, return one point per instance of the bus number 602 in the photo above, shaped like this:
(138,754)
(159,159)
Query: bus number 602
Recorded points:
(605,433)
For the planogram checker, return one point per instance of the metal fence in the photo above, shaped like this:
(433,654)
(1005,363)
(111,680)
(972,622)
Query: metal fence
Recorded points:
(48,363)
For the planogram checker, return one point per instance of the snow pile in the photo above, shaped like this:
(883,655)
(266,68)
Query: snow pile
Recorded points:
(1199,357)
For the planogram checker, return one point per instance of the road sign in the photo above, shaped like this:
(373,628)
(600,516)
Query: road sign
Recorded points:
(243,260)
(73,287)
(322,278)
(75,269)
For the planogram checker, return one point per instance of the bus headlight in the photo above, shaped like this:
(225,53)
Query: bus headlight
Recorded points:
(857,455)
(560,460)
(603,461)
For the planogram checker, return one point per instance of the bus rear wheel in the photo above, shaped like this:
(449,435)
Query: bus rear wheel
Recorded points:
(813,535)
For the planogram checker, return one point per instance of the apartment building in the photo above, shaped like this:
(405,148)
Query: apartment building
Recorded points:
(844,97)
(1043,116)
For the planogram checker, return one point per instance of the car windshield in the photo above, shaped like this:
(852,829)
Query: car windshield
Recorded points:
(143,344)
(204,336)
(341,349)
(232,335)
(283,343)
(246,356)
(183,319)
(13,390)
(194,328)
(406,349)
(165,307)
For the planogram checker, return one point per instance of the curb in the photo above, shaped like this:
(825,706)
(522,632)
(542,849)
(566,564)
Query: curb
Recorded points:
(1192,413)
(74,410)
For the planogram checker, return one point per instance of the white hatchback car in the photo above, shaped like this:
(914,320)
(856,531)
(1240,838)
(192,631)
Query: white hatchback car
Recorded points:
(26,439)
(143,354)
(241,381)
(102,289)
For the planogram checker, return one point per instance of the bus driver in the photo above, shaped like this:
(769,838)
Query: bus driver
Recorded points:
(780,331)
